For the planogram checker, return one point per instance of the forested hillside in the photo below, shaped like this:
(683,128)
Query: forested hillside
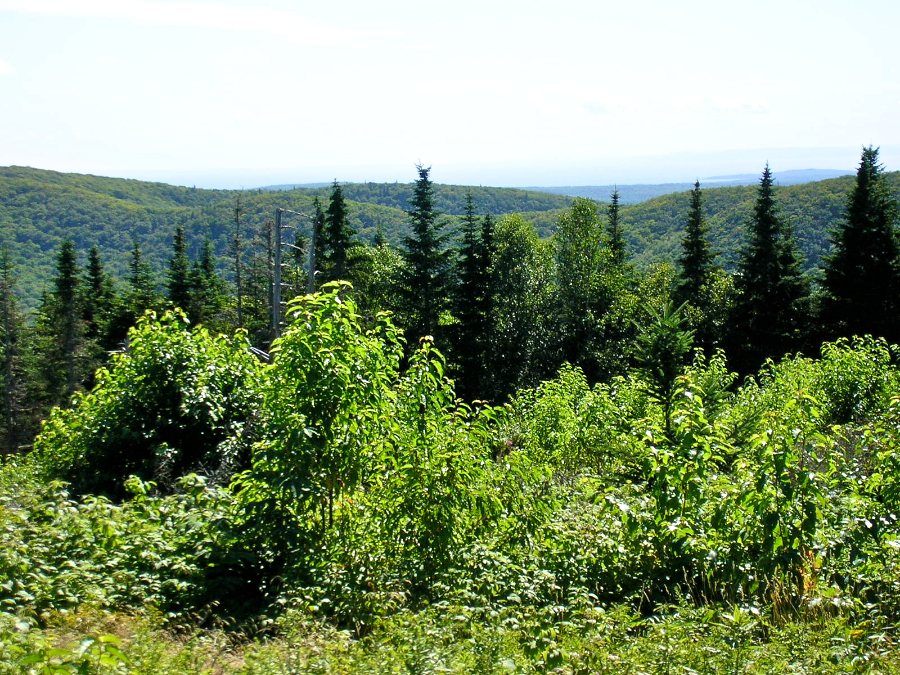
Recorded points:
(479,450)
(814,209)
(38,209)
(451,199)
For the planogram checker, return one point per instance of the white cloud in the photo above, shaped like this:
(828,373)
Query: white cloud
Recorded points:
(200,15)
(6,67)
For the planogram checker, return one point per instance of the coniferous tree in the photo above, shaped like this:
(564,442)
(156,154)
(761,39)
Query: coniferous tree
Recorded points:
(178,278)
(338,236)
(469,301)
(98,298)
(258,286)
(696,263)
(237,248)
(97,304)
(770,315)
(13,376)
(319,245)
(616,238)
(207,288)
(487,301)
(698,276)
(140,295)
(60,331)
(862,276)
(143,293)
(425,283)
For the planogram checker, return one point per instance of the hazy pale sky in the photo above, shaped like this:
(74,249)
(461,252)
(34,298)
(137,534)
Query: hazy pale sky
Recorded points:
(520,93)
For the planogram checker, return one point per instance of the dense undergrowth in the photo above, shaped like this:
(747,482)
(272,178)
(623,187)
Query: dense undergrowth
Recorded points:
(334,512)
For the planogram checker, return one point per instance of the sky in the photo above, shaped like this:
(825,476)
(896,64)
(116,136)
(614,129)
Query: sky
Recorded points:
(244,93)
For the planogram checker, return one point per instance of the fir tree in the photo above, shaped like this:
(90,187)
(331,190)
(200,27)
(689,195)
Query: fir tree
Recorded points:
(258,284)
(696,273)
(862,276)
(487,252)
(142,287)
(616,238)
(319,247)
(237,248)
(425,283)
(469,303)
(139,296)
(696,263)
(13,378)
(769,319)
(98,297)
(178,278)
(338,236)
(208,290)
(60,330)
(97,304)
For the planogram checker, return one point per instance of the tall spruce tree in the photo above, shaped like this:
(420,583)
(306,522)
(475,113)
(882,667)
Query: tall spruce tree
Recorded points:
(139,295)
(487,301)
(98,297)
(208,289)
(425,283)
(697,260)
(862,276)
(60,330)
(319,246)
(13,378)
(614,226)
(770,317)
(258,283)
(97,302)
(143,293)
(178,278)
(237,249)
(338,236)
(470,291)
(696,270)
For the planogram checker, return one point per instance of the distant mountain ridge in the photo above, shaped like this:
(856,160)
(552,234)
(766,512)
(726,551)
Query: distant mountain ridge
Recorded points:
(789,177)
(636,193)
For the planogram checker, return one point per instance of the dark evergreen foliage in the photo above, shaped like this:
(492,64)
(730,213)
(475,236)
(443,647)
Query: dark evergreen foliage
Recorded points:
(614,226)
(862,276)
(98,298)
(426,280)
(13,376)
(770,317)
(319,244)
(208,290)
(697,258)
(140,295)
(338,237)
(60,331)
(178,278)
(469,305)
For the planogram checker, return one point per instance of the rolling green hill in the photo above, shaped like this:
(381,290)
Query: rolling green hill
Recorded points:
(38,209)
(654,227)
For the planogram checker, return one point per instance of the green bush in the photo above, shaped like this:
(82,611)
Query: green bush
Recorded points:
(176,401)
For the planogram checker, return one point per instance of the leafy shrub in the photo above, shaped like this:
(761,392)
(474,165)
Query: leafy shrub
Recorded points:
(574,428)
(326,402)
(176,401)
(57,553)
